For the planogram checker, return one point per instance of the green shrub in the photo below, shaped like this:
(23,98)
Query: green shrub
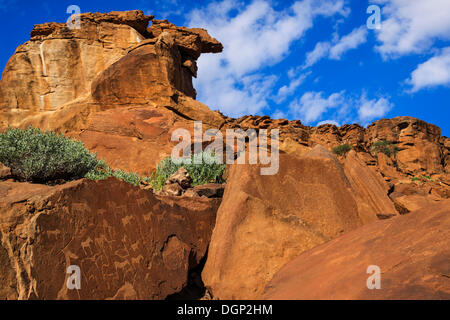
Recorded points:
(205,172)
(427,178)
(415,179)
(102,172)
(386,147)
(39,156)
(342,149)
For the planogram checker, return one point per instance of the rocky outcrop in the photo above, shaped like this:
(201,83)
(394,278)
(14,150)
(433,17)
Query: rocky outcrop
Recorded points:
(370,190)
(114,84)
(127,243)
(265,221)
(122,87)
(411,251)
(58,65)
(418,143)
(5,172)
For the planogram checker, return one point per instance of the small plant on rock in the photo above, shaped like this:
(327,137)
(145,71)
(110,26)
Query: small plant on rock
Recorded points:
(102,172)
(202,173)
(386,147)
(342,149)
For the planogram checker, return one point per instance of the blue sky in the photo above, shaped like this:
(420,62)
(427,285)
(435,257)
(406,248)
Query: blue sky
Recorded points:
(313,60)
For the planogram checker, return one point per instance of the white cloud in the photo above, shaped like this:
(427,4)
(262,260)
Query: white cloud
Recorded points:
(312,105)
(432,73)
(329,122)
(351,41)
(287,90)
(369,110)
(254,36)
(412,26)
(321,50)
(337,47)
(278,114)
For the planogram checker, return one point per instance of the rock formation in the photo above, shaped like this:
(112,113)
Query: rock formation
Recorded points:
(115,84)
(265,221)
(122,87)
(128,243)
(411,251)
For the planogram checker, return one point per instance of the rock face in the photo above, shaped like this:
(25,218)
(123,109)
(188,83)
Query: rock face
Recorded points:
(122,87)
(370,190)
(5,172)
(411,251)
(266,221)
(114,84)
(58,64)
(128,243)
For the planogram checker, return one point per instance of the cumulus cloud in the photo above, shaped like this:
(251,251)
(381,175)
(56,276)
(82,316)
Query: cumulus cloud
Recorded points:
(337,48)
(432,73)
(369,110)
(329,122)
(255,36)
(412,26)
(313,106)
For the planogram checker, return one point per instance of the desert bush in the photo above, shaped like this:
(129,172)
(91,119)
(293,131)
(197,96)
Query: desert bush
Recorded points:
(205,172)
(37,156)
(102,171)
(342,149)
(386,147)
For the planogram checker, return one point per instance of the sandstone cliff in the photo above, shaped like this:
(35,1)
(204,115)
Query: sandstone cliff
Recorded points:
(122,87)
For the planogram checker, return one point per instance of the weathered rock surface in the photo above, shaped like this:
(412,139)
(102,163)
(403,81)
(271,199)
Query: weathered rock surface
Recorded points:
(370,190)
(210,190)
(181,177)
(58,64)
(5,172)
(113,84)
(265,221)
(412,252)
(128,243)
(122,87)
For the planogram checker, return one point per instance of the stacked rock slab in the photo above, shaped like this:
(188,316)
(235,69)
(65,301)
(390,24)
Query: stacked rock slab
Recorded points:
(127,243)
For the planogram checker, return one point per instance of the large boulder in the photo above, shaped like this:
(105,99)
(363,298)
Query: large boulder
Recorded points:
(412,252)
(128,243)
(265,221)
(370,190)
(58,64)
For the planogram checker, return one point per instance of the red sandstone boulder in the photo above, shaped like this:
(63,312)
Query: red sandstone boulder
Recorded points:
(128,243)
(265,221)
(370,190)
(412,252)
(5,172)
